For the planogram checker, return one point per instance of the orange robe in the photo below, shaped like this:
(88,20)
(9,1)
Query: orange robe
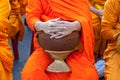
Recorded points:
(6,58)
(81,62)
(17,26)
(100,43)
(23,4)
(110,27)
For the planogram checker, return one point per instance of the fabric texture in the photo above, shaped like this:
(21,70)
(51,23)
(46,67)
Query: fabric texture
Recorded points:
(6,58)
(100,43)
(23,4)
(110,27)
(81,62)
(17,26)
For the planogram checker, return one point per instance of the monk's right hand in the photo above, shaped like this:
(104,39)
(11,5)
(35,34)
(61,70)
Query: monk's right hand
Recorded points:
(46,26)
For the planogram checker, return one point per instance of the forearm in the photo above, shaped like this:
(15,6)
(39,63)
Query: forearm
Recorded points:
(94,10)
(33,12)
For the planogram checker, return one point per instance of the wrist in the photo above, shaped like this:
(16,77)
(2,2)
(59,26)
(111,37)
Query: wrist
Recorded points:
(77,25)
(38,25)
(94,10)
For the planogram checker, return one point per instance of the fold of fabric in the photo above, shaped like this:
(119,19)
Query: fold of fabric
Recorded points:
(23,4)
(110,27)
(81,62)
(100,43)
(17,26)
(6,58)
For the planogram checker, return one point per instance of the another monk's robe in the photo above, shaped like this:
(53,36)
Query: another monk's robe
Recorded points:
(100,43)
(17,26)
(81,62)
(6,58)
(23,4)
(111,26)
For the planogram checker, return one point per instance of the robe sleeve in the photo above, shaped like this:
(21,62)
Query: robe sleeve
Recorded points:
(4,13)
(101,2)
(110,24)
(5,52)
(17,27)
(34,10)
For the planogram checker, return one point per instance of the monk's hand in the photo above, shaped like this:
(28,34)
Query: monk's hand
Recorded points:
(66,28)
(117,39)
(47,26)
(96,11)
(100,13)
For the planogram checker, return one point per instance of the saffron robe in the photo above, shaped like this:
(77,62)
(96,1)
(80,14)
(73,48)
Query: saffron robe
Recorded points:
(23,4)
(111,26)
(81,62)
(100,43)
(17,26)
(6,58)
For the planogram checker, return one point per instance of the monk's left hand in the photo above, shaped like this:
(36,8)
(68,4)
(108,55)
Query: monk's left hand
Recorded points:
(69,27)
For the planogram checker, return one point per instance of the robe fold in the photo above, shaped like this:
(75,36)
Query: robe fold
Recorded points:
(23,4)
(111,26)
(6,58)
(17,26)
(99,2)
(81,62)
(100,43)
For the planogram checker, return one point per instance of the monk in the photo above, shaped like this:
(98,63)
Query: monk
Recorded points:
(61,17)
(96,9)
(110,31)
(6,57)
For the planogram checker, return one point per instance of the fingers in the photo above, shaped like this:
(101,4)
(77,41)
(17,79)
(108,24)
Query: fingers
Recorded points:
(57,24)
(50,33)
(56,19)
(57,35)
(57,29)
(61,36)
